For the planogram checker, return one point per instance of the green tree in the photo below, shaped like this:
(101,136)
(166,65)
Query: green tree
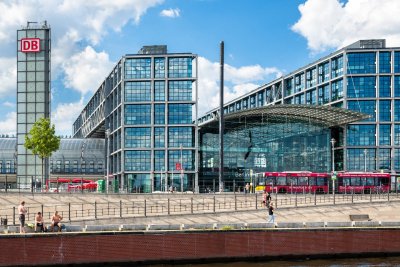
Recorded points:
(42,140)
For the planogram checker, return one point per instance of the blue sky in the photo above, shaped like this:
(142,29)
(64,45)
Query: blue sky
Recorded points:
(264,39)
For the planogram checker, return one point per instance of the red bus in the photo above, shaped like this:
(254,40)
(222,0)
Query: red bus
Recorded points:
(363,182)
(70,185)
(293,182)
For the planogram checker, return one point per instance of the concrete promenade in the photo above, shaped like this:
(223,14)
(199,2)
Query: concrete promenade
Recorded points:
(378,209)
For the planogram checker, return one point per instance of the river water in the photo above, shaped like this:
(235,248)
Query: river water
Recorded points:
(359,262)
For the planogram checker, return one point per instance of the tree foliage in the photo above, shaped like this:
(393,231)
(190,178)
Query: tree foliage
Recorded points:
(42,140)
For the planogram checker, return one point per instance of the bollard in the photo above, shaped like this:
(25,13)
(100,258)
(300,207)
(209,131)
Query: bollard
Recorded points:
(315,198)
(214,205)
(42,210)
(14,215)
(168,207)
(235,203)
(69,210)
(388,195)
(145,208)
(256,203)
(95,209)
(352,196)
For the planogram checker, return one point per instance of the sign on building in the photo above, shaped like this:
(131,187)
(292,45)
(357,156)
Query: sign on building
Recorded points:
(29,45)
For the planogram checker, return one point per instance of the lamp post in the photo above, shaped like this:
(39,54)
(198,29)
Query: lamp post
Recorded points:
(333,141)
(365,160)
(107,158)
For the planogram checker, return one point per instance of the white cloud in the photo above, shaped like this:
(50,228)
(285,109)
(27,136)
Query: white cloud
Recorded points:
(332,24)
(85,71)
(170,13)
(65,115)
(8,76)
(9,104)
(237,81)
(8,126)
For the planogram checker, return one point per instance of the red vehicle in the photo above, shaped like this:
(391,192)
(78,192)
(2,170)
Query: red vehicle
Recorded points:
(363,182)
(70,185)
(293,182)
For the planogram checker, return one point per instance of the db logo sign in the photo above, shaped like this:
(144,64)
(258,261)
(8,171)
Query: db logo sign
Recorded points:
(30,45)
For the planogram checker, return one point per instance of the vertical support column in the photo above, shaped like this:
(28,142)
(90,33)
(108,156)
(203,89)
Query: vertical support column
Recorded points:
(221,121)
(120,208)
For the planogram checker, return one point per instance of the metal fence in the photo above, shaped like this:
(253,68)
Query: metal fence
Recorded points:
(183,205)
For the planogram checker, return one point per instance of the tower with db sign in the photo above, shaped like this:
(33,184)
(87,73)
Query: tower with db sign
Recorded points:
(33,96)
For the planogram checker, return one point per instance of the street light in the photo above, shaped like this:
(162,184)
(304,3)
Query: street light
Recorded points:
(365,160)
(333,141)
(107,158)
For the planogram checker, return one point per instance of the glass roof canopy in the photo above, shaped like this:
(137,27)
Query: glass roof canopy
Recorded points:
(326,116)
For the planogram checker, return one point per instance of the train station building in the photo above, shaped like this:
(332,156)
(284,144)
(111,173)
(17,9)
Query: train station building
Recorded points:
(141,128)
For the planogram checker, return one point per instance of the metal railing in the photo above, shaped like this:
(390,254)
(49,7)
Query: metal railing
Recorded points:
(184,205)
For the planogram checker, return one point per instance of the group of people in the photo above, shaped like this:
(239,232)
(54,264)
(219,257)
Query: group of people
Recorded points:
(267,202)
(39,220)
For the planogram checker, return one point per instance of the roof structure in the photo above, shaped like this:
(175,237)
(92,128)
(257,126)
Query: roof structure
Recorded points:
(326,116)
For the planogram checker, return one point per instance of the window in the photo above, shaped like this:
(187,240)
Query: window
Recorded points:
(360,160)
(75,166)
(137,137)
(100,167)
(180,67)
(159,137)
(174,156)
(337,67)
(159,67)
(66,166)
(396,86)
(384,86)
(288,86)
(337,90)
(159,160)
(323,94)
(361,63)
(298,82)
(384,134)
(180,114)
(159,114)
(323,72)
(396,113)
(384,159)
(179,90)
(384,62)
(361,135)
(361,87)
(397,134)
(397,62)
(365,106)
(137,160)
(384,110)
(137,68)
(159,91)
(311,77)
(137,114)
(137,91)
(178,136)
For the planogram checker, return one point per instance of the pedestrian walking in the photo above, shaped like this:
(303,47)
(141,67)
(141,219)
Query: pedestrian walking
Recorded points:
(271,216)
(247,188)
(22,211)
(268,199)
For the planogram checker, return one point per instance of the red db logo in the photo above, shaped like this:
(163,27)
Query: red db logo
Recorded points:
(30,45)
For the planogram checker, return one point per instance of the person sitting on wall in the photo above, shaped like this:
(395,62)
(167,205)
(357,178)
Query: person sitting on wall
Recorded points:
(56,221)
(39,223)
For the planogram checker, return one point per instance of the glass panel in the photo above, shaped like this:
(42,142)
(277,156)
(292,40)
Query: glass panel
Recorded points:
(180,67)
(337,67)
(359,63)
(361,87)
(159,67)
(137,91)
(159,91)
(384,134)
(384,110)
(180,90)
(137,160)
(159,114)
(137,137)
(384,86)
(137,68)
(361,135)
(180,114)
(384,62)
(178,136)
(137,114)
(365,106)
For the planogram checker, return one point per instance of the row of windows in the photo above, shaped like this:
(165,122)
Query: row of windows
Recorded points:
(365,135)
(75,166)
(365,63)
(141,114)
(140,68)
(369,107)
(372,159)
(140,91)
(140,160)
(141,137)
